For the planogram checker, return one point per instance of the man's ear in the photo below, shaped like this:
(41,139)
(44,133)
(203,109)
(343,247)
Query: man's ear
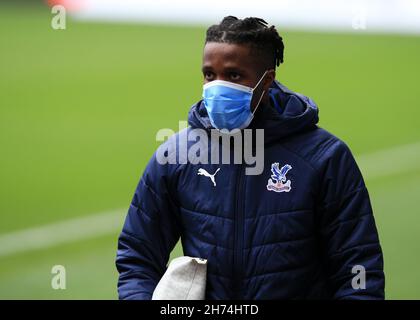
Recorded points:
(269,79)
(263,88)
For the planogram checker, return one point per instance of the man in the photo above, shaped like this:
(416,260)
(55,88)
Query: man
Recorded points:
(302,228)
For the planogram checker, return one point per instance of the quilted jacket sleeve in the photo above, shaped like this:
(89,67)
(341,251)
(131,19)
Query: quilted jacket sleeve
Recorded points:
(347,227)
(150,232)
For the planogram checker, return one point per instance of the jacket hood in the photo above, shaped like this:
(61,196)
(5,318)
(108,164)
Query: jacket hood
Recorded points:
(289,113)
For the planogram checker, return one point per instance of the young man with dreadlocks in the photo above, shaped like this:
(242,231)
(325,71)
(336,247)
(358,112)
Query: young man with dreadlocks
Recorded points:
(301,229)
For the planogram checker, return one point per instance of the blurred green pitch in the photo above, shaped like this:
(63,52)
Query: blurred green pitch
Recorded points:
(79,110)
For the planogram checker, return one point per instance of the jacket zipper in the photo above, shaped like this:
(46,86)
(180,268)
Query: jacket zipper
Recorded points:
(239,231)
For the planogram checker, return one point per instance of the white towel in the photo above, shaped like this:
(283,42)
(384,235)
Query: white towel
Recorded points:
(185,279)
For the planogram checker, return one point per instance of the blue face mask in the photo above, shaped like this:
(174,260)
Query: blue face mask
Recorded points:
(228,104)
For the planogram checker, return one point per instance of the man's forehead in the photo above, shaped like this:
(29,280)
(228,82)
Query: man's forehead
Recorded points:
(226,53)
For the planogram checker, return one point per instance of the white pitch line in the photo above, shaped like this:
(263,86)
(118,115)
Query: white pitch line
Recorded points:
(389,162)
(87,227)
(377,164)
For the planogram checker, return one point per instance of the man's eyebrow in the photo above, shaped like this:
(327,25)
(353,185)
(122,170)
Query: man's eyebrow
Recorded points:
(234,69)
(226,69)
(206,68)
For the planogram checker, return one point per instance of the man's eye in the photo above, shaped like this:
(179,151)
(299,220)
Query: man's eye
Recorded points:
(208,75)
(234,76)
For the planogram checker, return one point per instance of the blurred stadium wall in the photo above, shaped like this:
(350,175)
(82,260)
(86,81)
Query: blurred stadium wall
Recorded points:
(390,16)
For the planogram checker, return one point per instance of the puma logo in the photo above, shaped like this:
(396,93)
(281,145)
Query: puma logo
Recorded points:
(203,172)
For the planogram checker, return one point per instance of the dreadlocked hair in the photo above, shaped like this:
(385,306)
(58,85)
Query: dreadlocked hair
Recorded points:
(251,31)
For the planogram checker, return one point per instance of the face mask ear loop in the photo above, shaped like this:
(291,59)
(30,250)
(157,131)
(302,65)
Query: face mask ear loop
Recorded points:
(261,79)
(258,104)
(262,95)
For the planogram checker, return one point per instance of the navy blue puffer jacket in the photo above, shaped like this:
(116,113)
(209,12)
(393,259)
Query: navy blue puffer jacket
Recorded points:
(260,244)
